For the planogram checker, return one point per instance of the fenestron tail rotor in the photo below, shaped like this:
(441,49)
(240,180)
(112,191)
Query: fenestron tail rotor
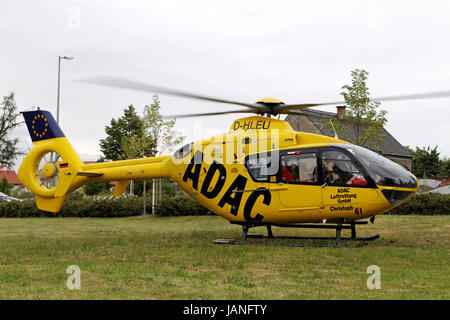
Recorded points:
(47,171)
(266,106)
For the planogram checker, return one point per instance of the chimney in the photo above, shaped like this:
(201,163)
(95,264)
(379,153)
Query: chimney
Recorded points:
(340,110)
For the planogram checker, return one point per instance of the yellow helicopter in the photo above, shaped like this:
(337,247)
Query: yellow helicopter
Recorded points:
(260,173)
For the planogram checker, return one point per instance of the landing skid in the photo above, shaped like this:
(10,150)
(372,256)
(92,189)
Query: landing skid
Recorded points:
(337,241)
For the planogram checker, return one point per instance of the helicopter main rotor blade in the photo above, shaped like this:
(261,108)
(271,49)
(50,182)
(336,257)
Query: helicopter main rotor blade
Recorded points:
(140,86)
(290,107)
(223,112)
(207,114)
(291,112)
(429,95)
(417,96)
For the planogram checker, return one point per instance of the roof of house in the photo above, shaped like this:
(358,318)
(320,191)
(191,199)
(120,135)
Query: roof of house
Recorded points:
(10,175)
(389,146)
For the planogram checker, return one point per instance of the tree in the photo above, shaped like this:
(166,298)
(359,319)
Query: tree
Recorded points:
(426,163)
(362,124)
(157,137)
(138,146)
(130,124)
(5,187)
(8,121)
(445,168)
(161,131)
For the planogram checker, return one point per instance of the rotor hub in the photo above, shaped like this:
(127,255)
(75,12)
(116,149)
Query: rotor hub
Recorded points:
(269,101)
(270,104)
(49,170)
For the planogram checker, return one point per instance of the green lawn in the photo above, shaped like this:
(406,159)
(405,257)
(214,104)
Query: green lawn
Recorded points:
(174,258)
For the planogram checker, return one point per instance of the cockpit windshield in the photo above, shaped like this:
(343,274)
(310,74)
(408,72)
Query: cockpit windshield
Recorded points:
(382,170)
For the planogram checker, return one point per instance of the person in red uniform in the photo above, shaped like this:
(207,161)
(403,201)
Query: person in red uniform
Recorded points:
(289,173)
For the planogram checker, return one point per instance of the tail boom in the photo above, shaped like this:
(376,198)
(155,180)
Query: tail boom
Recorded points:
(125,170)
(71,173)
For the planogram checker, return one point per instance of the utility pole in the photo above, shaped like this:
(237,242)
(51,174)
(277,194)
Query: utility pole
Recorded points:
(59,80)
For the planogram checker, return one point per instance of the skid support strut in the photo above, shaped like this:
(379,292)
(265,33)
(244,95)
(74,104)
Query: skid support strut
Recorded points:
(337,241)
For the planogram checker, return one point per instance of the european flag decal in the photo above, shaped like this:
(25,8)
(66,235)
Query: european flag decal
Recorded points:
(41,125)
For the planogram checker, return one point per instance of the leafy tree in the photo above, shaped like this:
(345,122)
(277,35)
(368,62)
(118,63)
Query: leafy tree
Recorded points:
(445,168)
(128,125)
(131,136)
(157,137)
(426,163)
(409,149)
(161,131)
(8,121)
(5,187)
(362,123)
(138,146)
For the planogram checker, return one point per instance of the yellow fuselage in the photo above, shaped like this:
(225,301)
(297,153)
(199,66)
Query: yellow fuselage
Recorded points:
(215,172)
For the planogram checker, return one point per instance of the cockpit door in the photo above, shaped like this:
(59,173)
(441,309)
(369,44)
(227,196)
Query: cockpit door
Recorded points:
(298,172)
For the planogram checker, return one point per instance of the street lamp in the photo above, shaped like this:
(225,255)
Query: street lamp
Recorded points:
(59,73)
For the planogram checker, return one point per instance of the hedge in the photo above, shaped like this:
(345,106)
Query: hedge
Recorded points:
(77,206)
(424,204)
(181,205)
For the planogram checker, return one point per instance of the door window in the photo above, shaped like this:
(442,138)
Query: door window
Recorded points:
(298,167)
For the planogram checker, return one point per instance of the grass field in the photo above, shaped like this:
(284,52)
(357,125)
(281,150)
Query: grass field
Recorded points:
(174,258)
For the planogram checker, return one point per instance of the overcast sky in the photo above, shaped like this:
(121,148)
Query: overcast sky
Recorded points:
(296,51)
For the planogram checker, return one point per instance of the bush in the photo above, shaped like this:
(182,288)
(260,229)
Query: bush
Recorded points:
(21,194)
(77,206)
(105,207)
(181,205)
(424,204)
(5,187)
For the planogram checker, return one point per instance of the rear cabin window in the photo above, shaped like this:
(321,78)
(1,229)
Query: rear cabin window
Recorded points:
(262,167)
(299,168)
(258,167)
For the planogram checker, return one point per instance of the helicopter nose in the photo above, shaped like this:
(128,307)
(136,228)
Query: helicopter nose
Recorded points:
(398,187)
(397,197)
(397,184)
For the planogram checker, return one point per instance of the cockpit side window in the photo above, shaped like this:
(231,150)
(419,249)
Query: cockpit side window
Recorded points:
(340,170)
(383,171)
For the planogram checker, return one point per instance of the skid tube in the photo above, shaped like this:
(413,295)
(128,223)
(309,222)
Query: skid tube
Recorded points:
(338,240)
